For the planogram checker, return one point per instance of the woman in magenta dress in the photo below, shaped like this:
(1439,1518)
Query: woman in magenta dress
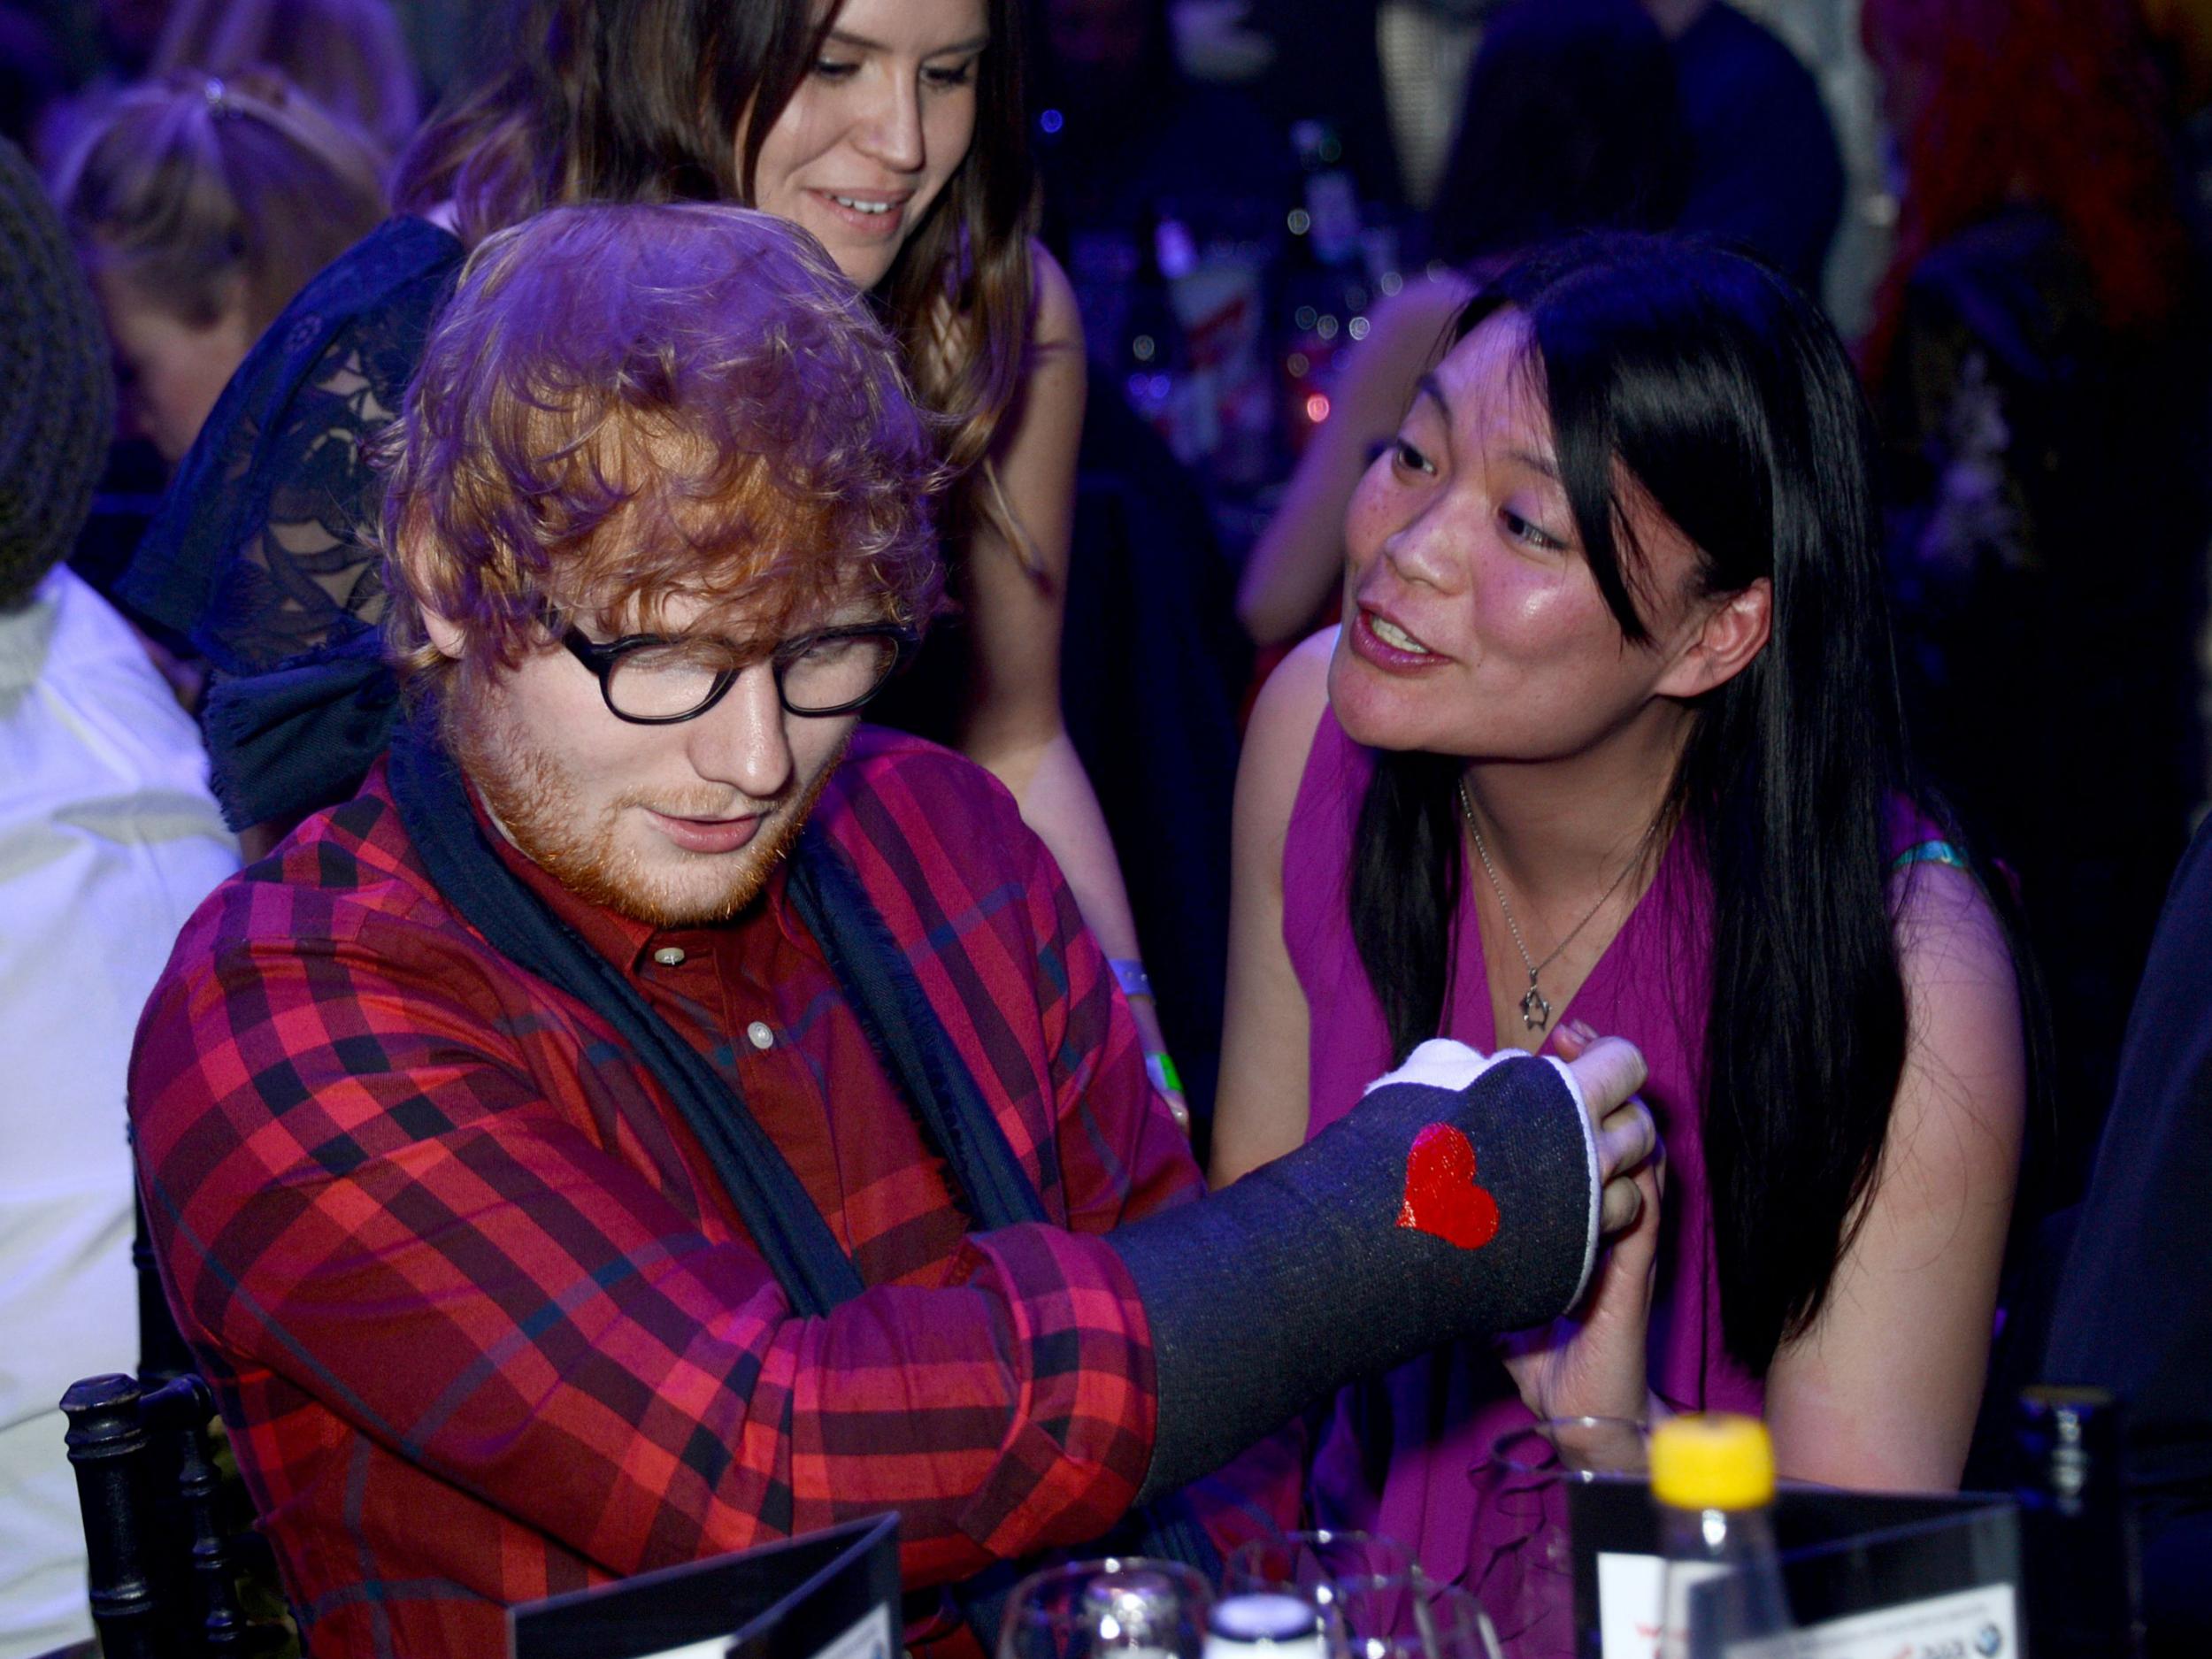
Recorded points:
(1609,742)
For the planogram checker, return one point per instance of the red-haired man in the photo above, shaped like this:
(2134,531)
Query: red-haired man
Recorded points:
(657,1115)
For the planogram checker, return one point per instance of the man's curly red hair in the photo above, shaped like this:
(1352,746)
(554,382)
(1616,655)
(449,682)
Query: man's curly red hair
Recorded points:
(627,405)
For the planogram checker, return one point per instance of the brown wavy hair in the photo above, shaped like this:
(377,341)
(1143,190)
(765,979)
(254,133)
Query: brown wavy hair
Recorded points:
(2055,102)
(627,406)
(671,100)
(194,190)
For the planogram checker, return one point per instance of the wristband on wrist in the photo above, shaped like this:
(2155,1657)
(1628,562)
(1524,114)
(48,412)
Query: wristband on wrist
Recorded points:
(1161,1069)
(1129,973)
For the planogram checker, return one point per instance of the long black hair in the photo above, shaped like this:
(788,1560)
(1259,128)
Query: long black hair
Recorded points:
(1724,396)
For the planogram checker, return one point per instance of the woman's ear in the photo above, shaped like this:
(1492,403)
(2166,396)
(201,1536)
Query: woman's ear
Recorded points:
(1734,632)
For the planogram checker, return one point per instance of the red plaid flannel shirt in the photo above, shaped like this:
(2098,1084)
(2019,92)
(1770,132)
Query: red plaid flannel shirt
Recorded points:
(481,1321)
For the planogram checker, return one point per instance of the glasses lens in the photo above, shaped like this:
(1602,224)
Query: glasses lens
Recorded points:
(834,673)
(664,682)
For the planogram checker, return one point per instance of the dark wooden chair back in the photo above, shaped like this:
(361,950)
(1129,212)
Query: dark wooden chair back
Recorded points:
(165,1553)
(176,1570)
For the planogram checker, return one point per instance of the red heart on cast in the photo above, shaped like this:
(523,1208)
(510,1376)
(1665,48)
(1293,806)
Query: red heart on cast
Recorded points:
(1442,1196)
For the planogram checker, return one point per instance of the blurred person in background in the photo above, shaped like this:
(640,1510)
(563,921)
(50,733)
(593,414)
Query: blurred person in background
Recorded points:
(108,837)
(2041,384)
(1134,157)
(34,74)
(1765,170)
(894,132)
(347,55)
(199,206)
(1570,121)
(128,32)
(1124,137)
(1306,60)
(2131,1307)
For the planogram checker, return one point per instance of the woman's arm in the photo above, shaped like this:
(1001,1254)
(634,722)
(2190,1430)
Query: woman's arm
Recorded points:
(1881,1393)
(1299,556)
(1011,722)
(1259,1112)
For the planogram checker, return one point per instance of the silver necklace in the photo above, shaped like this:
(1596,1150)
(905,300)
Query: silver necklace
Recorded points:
(1535,1006)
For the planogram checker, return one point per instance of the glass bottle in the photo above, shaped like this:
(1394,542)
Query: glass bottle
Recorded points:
(1713,1479)
(1264,1625)
(2080,1571)
(1119,1608)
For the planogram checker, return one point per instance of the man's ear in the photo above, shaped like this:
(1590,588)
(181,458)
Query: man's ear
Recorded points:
(443,632)
(1734,633)
(445,635)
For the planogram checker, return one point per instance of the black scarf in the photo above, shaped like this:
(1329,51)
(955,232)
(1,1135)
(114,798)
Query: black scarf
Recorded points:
(987,1179)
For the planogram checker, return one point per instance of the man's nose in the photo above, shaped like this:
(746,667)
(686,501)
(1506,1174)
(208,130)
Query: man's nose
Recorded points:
(741,742)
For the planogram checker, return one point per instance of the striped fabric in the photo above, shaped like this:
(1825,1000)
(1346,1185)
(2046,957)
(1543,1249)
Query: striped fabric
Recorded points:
(482,1323)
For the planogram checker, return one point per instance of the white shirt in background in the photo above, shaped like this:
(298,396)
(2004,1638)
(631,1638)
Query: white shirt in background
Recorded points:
(109,840)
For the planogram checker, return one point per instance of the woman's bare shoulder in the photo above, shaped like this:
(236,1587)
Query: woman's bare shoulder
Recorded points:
(1279,739)
(1290,703)
(1054,321)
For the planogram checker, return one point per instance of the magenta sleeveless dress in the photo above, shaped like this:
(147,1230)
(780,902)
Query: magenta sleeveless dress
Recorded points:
(1400,1454)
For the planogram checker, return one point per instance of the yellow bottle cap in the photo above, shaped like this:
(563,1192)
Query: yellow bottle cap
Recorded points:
(1717,1461)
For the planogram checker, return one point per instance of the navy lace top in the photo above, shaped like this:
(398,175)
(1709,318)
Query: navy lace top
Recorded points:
(261,554)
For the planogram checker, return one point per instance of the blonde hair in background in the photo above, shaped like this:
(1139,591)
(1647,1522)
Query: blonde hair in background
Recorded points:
(197,192)
(348,56)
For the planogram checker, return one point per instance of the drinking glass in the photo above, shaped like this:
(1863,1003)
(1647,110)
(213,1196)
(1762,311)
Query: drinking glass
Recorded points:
(1523,1573)
(1404,1616)
(1125,1607)
(1303,1563)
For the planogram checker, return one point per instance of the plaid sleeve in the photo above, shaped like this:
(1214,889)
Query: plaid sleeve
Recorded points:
(999,945)
(1121,1153)
(1122,1157)
(1005,932)
(357,1184)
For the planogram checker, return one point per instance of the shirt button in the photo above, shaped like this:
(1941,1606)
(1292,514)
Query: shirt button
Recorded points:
(758,1034)
(670,957)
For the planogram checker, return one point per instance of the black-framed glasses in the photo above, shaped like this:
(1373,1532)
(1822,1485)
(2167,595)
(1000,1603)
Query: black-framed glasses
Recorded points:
(651,680)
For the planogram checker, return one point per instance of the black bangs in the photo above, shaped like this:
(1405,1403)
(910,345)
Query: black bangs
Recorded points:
(1644,378)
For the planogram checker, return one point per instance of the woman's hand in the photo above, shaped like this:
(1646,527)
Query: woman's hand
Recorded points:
(1609,1072)
(1591,1363)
